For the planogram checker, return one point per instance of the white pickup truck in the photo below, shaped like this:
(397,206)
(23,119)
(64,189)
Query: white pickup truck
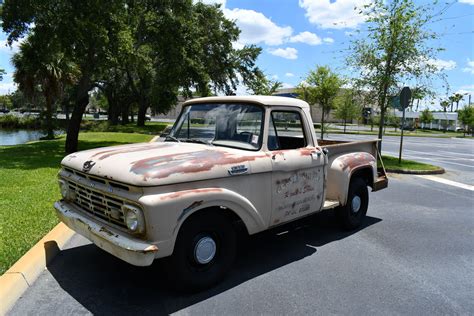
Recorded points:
(228,162)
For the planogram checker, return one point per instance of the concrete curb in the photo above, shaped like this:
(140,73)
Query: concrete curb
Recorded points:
(418,172)
(26,270)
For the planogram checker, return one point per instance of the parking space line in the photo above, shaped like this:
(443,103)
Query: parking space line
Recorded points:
(448,182)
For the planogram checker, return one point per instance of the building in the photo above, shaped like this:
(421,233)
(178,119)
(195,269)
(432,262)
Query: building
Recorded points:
(441,120)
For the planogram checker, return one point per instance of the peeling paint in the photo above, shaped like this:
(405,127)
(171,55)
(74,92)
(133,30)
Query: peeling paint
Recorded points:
(131,149)
(349,162)
(175,195)
(199,161)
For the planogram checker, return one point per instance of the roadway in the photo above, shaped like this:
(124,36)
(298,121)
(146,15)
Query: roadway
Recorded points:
(414,255)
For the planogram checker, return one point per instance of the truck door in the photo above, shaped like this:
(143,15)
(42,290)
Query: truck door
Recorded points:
(297,167)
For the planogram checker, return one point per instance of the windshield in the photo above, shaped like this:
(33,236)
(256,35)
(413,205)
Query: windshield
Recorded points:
(230,125)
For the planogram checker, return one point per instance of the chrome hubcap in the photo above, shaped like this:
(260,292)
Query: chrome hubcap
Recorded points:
(205,250)
(355,205)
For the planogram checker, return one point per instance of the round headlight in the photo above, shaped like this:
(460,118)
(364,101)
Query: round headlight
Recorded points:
(134,219)
(131,219)
(67,194)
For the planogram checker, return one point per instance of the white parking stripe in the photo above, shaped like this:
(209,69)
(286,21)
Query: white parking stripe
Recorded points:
(448,182)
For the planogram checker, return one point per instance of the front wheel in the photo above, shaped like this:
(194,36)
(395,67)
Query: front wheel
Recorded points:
(353,213)
(204,251)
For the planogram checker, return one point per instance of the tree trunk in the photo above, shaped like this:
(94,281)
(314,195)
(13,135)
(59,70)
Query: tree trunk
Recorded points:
(452,104)
(322,123)
(345,123)
(81,99)
(125,113)
(417,104)
(49,119)
(141,112)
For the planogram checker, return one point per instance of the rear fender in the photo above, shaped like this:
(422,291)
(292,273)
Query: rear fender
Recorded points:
(342,168)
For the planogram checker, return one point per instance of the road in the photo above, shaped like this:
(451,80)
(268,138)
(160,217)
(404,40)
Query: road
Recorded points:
(455,155)
(414,255)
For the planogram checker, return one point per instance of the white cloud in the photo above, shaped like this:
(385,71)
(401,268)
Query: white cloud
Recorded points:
(288,53)
(471,2)
(10,50)
(7,87)
(307,38)
(274,77)
(337,14)
(328,40)
(257,28)
(289,74)
(441,64)
(470,66)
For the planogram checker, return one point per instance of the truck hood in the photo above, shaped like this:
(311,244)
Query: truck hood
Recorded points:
(151,164)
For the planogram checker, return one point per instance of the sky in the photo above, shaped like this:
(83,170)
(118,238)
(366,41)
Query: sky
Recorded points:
(296,36)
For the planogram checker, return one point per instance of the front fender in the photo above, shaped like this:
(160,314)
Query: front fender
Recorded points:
(166,212)
(341,168)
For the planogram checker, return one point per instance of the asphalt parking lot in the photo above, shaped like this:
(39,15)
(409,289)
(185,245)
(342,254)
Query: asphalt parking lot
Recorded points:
(414,255)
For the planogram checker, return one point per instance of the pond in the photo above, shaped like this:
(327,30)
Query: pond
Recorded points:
(19,136)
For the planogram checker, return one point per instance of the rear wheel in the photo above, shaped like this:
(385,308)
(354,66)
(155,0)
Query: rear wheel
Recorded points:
(353,213)
(204,251)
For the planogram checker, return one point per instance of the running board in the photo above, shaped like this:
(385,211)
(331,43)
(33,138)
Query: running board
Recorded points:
(329,204)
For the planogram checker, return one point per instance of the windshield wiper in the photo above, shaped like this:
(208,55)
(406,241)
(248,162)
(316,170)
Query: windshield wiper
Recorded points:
(197,141)
(172,138)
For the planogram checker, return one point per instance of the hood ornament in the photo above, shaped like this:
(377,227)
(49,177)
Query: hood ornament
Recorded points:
(87,166)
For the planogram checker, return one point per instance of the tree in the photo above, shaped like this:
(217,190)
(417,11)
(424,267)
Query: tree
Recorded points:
(346,108)
(426,117)
(466,117)
(321,87)
(161,48)
(456,98)
(264,86)
(394,49)
(2,72)
(40,70)
(418,93)
(444,104)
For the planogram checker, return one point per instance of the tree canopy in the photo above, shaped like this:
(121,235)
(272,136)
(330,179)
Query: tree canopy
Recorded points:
(143,52)
(394,49)
(321,87)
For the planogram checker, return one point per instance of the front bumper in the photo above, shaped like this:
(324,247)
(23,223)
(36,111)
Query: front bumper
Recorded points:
(128,249)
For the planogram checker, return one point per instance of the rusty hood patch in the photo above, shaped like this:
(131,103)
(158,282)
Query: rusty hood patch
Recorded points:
(162,163)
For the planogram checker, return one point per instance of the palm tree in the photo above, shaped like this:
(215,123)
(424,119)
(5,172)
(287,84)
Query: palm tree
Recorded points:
(457,97)
(41,72)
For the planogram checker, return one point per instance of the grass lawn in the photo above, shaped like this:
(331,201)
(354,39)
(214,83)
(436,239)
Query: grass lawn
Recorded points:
(28,189)
(391,163)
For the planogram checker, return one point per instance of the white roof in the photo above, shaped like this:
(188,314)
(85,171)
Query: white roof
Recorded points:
(260,99)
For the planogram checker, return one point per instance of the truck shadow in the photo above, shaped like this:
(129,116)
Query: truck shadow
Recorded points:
(106,285)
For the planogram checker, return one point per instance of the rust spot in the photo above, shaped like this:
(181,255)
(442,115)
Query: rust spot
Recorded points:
(306,151)
(176,195)
(151,248)
(193,162)
(352,161)
(108,153)
(276,221)
(108,232)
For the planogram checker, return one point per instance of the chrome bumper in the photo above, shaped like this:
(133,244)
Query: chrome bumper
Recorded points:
(128,249)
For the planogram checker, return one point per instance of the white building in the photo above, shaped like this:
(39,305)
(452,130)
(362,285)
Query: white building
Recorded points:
(441,120)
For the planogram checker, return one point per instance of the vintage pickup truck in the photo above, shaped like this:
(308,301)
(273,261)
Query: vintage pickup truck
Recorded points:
(228,163)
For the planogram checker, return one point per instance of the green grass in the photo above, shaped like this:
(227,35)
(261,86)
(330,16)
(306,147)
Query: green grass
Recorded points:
(391,163)
(28,189)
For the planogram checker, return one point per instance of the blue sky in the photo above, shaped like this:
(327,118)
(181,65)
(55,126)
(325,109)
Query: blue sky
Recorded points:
(295,36)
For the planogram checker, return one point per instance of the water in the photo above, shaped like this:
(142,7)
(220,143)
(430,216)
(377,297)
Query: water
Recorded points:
(18,136)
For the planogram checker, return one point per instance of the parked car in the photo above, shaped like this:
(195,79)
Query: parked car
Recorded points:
(187,195)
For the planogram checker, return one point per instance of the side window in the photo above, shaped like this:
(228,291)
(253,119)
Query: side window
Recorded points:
(286,131)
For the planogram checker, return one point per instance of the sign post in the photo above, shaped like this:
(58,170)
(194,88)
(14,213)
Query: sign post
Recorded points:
(405,97)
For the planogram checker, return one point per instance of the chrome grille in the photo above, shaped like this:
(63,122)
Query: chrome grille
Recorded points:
(99,204)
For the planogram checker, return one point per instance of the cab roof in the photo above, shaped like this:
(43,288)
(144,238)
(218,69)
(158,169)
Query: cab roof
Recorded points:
(260,99)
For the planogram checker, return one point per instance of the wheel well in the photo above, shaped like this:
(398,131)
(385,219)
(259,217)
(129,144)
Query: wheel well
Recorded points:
(235,219)
(365,174)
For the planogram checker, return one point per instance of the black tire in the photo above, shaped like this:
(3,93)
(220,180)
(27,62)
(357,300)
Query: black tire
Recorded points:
(188,274)
(350,216)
